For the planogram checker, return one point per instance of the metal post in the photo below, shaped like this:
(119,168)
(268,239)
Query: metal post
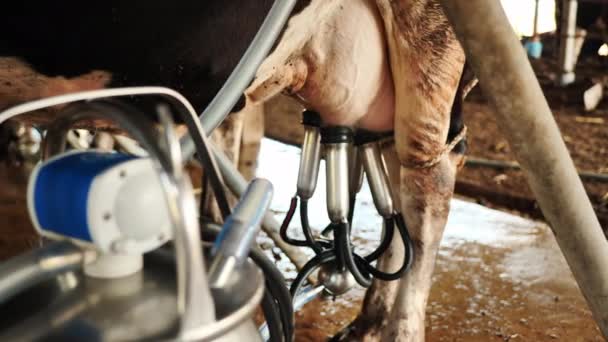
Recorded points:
(535,24)
(567,54)
(523,115)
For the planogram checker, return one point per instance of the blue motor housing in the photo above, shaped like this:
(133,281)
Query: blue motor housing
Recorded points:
(110,200)
(59,191)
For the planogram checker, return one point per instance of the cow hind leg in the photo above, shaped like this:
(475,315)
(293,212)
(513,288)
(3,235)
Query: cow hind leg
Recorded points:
(379,299)
(425,208)
(426,65)
(251,140)
(395,311)
(378,302)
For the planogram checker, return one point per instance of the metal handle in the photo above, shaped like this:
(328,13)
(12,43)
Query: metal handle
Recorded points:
(194,300)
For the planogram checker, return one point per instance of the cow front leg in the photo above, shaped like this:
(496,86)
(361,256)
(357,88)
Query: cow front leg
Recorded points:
(251,140)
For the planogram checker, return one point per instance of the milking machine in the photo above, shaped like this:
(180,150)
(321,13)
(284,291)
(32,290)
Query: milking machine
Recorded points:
(348,156)
(122,257)
(124,250)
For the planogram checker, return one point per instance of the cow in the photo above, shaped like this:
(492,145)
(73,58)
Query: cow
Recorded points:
(383,65)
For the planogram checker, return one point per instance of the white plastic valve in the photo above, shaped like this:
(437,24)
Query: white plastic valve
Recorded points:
(127,211)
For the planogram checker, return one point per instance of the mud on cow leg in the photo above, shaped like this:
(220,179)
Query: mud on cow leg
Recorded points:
(426,195)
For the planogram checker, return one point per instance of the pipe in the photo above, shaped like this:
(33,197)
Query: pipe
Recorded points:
(237,184)
(232,246)
(535,23)
(244,72)
(500,164)
(522,113)
(567,41)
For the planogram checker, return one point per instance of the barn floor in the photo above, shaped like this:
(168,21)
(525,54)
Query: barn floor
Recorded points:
(498,277)
(585,135)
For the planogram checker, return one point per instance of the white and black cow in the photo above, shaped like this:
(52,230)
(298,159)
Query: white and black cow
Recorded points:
(374,64)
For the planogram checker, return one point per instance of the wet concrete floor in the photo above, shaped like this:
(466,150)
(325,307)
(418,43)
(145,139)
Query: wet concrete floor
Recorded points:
(498,276)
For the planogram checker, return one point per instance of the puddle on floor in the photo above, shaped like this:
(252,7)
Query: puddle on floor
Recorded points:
(498,276)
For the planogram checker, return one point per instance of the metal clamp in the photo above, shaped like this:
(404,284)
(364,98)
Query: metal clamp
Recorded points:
(377,178)
(336,142)
(310,158)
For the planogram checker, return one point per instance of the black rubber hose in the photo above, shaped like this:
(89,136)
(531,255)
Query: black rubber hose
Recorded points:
(316,247)
(351,208)
(407,240)
(273,317)
(408,256)
(346,251)
(206,157)
(275,284)
(201,202)
(285,225)
(340,262)
(389,232)
(312,265)
(327,230)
